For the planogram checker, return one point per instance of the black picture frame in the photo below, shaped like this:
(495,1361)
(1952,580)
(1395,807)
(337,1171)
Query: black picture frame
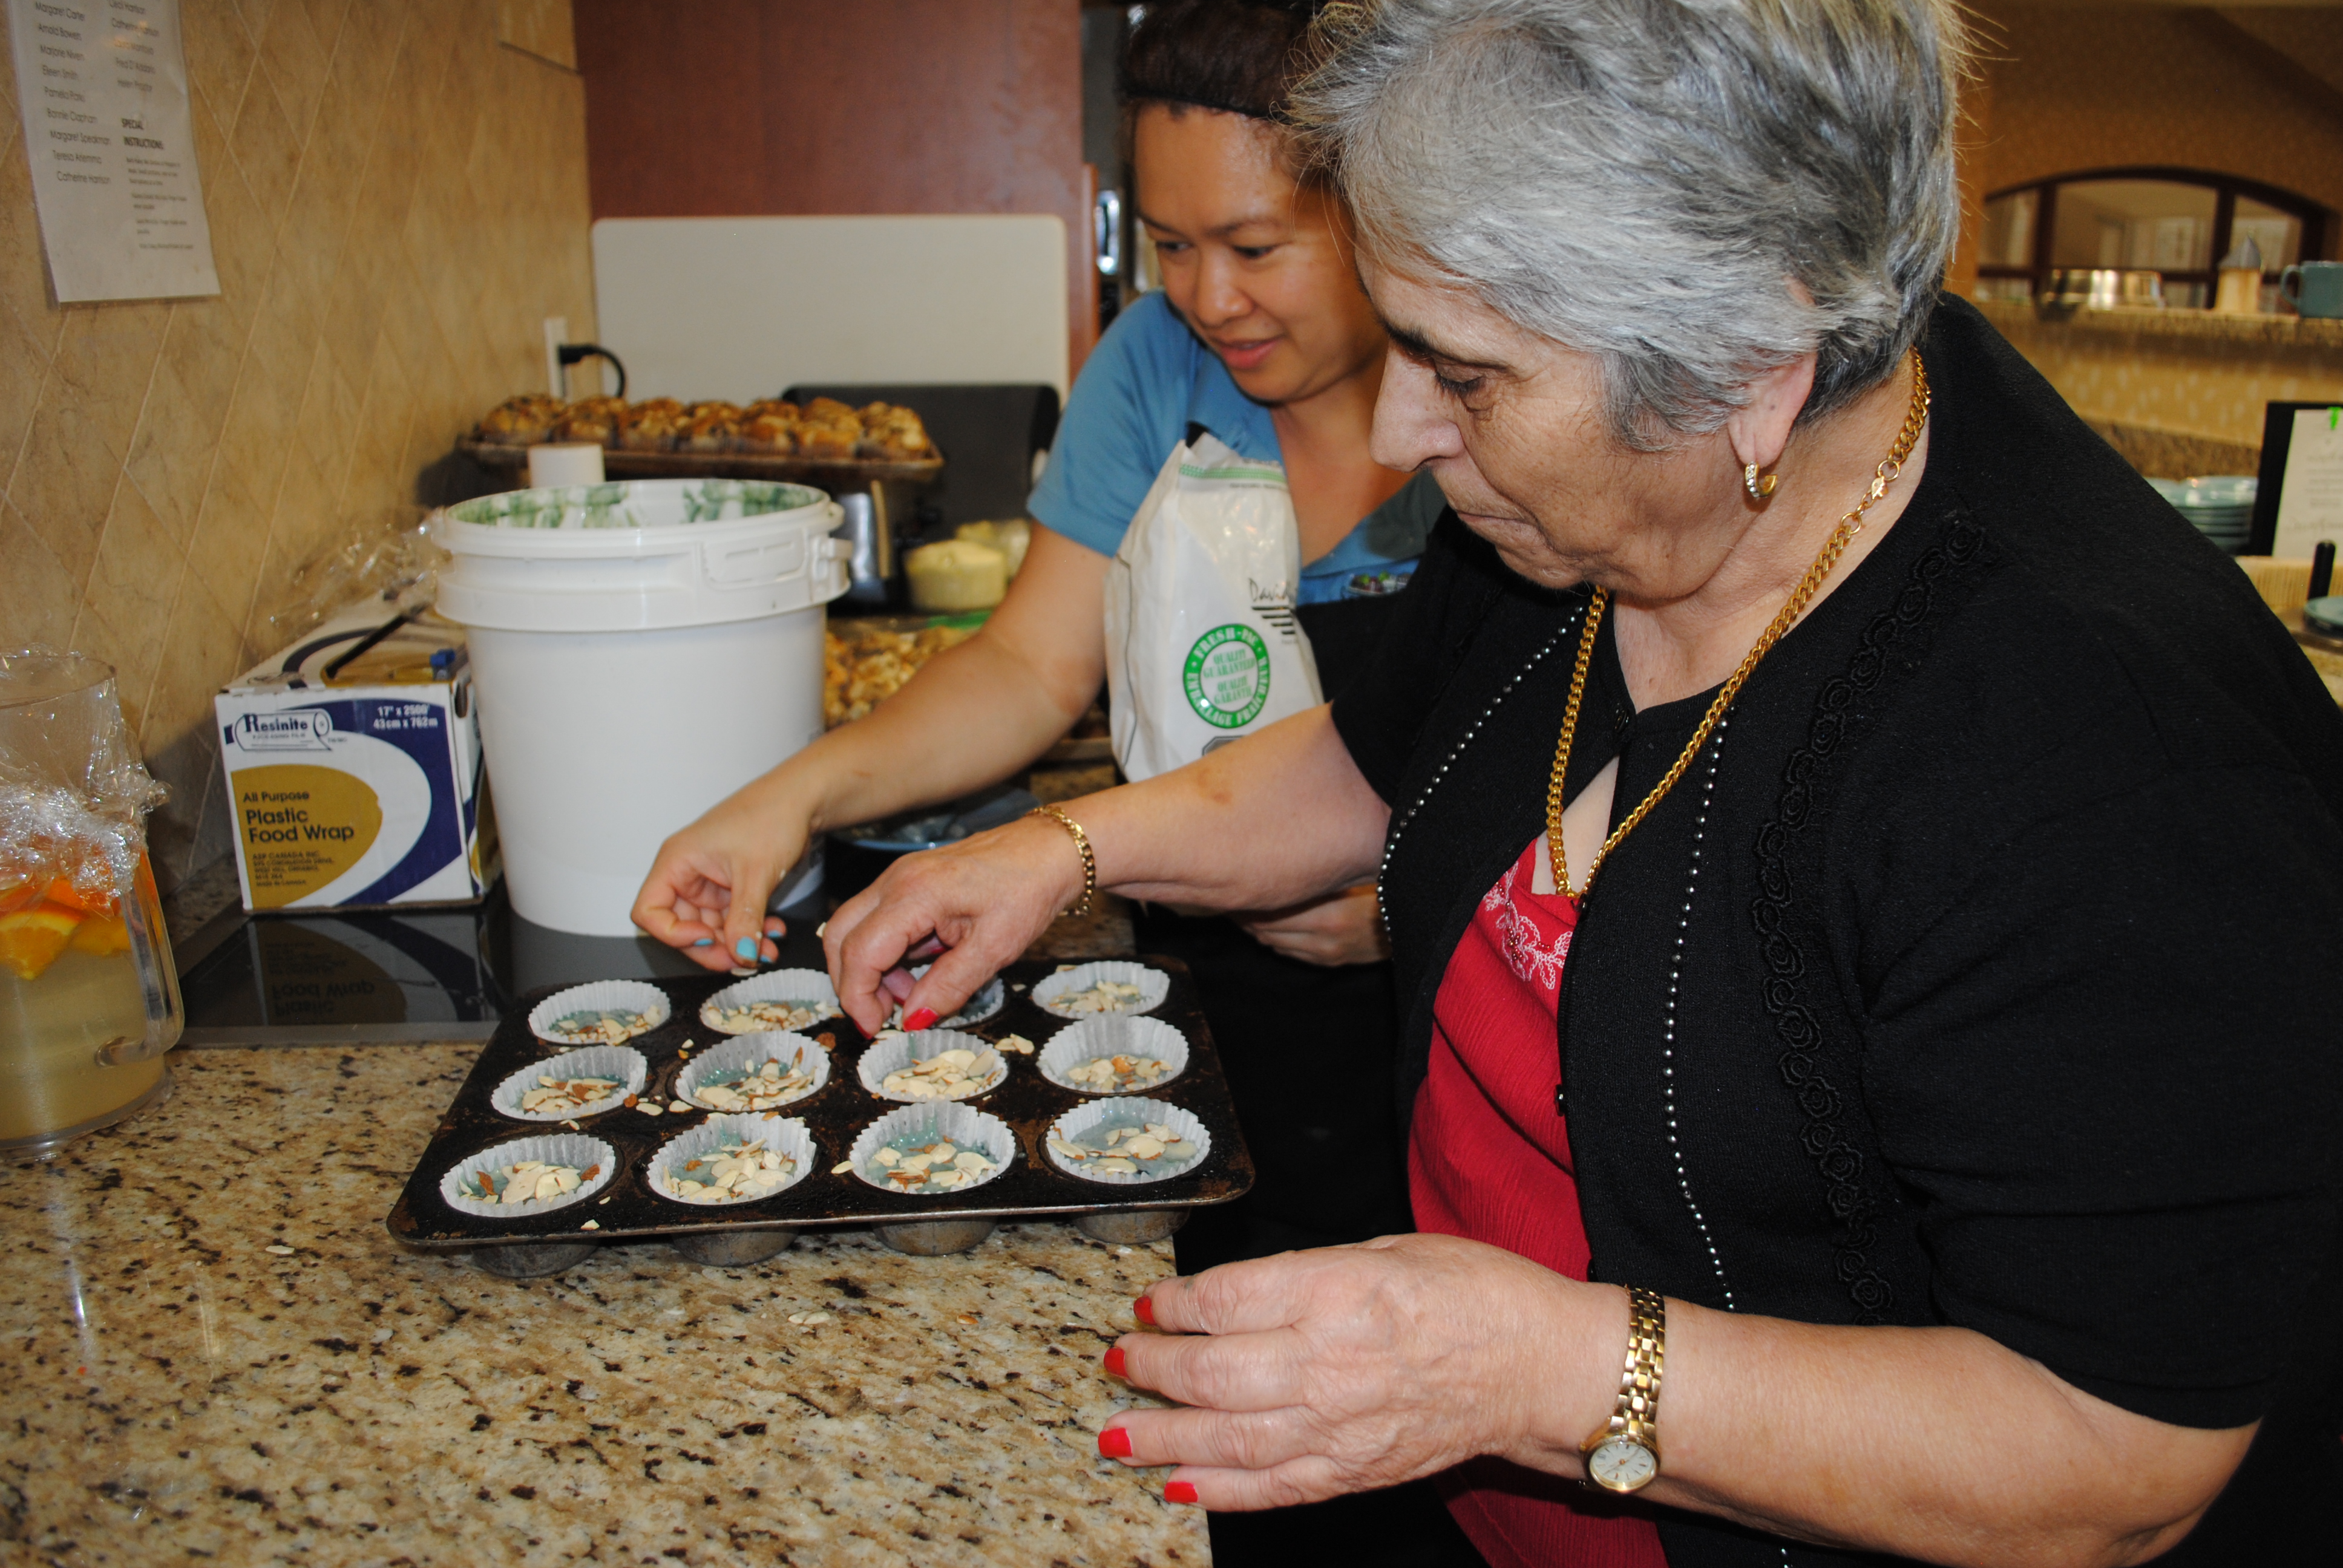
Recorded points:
(2278,435)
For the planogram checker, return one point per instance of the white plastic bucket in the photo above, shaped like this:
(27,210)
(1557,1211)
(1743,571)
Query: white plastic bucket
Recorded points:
(640,650)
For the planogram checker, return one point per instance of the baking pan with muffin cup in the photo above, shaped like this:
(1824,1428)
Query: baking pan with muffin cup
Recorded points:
(626,1207)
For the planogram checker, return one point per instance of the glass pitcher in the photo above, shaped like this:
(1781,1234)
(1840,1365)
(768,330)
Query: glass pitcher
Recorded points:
(89,999)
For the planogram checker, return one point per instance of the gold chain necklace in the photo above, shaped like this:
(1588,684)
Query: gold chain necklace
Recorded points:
(1891,468)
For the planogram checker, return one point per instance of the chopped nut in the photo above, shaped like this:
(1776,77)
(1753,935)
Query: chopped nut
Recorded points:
(1152,1148)
(526,1181)
(841,1167)
(954,1074)
(754,1017)
(594,1026)
(580,1096)
(734,1173)
(281,1251)
(1117,1074)
(759,1087)
(939,1167)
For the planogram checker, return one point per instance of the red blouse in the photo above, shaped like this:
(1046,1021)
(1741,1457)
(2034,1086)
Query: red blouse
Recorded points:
(1488,1159)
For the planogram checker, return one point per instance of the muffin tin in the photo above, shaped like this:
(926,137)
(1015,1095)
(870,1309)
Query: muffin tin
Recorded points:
(625,1207)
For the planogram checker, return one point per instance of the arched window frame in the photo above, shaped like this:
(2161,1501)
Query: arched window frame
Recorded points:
(2320,225)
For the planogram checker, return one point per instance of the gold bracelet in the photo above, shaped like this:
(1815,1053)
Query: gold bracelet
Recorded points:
(1082,843)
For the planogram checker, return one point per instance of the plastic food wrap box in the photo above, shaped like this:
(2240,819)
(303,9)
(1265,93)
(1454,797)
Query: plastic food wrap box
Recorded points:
(352,766)
(628,1210)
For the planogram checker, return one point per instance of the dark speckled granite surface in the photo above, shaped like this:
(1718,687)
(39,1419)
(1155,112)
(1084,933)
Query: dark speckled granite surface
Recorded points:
(177,1393)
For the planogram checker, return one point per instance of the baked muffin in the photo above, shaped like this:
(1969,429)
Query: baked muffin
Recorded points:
(774,435)
(831,439)
(711,427)
(764,405)
(522,421)
(650,425)
(592,419)
(828,411)
(894,433)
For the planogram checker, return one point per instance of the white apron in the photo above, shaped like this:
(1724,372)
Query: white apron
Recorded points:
(1201,643)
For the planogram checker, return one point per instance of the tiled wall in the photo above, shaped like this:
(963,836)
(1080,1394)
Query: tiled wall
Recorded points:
(396,201)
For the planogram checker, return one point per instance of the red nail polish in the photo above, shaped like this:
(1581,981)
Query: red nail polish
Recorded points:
(1179,1492)
(923,1019)
(1115,1442)
(1144,1311)
(1115,1361)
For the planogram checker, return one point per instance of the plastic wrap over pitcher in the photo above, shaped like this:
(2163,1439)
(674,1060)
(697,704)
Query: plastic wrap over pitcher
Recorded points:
(89,1000)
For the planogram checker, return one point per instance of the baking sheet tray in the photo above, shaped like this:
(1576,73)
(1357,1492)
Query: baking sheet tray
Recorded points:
(628,1210)
(823,473)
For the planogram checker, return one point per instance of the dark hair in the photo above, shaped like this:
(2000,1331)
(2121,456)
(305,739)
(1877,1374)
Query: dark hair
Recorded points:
(1237,56)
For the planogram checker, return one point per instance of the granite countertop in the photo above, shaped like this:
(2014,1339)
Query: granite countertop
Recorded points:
(218,1352)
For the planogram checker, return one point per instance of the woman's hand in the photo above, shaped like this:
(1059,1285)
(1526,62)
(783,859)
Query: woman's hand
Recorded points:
(1315,1373)
(985,899)
(1345,928)
(707,889)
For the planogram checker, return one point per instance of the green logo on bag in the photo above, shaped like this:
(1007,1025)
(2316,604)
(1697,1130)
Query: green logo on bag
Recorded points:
(1228,677)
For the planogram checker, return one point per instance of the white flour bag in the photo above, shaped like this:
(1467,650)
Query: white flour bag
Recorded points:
(1201,643)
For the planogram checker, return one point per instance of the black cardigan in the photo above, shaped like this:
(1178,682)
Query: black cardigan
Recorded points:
(1982,970)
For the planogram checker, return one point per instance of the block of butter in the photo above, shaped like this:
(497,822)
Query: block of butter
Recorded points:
(956,575)
(1010,538)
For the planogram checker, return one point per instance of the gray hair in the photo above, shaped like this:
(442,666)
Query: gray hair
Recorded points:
(1638,179)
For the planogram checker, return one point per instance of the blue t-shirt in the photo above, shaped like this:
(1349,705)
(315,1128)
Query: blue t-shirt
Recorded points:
(1145,383)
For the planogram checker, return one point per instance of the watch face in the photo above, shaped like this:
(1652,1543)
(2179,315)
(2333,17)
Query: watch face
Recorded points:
(1622,1466)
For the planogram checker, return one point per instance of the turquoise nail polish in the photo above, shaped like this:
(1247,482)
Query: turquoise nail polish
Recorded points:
(746,948)
(705,943)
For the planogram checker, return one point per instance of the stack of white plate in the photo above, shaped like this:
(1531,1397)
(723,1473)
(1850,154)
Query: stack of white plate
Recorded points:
(2221,506)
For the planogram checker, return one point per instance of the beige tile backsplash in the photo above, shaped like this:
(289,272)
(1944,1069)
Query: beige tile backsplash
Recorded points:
(396,202)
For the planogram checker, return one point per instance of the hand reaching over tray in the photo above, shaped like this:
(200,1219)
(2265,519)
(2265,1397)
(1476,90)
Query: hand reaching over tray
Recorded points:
(982,902)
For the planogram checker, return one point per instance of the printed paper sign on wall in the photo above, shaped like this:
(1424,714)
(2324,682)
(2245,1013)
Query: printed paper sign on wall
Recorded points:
(103,84)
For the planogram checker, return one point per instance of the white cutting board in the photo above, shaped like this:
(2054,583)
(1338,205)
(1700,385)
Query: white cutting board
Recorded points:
(739,307)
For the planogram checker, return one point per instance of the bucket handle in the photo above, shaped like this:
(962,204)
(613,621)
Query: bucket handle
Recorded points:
(744,566)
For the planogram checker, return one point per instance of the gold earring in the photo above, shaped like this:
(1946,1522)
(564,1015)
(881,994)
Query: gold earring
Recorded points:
(1758,487)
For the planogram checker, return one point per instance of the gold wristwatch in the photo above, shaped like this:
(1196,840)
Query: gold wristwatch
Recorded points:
(1622,1454)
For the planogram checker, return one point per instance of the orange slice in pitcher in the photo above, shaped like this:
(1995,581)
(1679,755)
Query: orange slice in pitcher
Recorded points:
(102,936)
(62,891)
(31,939)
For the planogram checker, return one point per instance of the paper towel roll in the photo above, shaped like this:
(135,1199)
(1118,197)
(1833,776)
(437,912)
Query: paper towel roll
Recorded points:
(563,463)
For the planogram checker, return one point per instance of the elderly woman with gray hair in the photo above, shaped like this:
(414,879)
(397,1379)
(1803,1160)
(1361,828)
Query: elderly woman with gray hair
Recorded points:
(1866,879)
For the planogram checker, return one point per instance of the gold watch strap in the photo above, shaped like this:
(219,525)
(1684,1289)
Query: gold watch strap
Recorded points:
(1637,1413)
(1081,843)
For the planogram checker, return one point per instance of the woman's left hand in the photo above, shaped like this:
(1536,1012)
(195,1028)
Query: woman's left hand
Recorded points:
(1345,928)
(1319,1373)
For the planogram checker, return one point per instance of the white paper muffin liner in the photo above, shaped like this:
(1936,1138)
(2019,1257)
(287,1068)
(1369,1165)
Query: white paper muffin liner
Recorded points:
(598,995)
(1128,1110)
(774,985)
(1114,1034)
(891,1053)
(1154,985)
(989,998)
(743,1050)
(623,1062)
(575,1150)
(964,1125)
(785,1133)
